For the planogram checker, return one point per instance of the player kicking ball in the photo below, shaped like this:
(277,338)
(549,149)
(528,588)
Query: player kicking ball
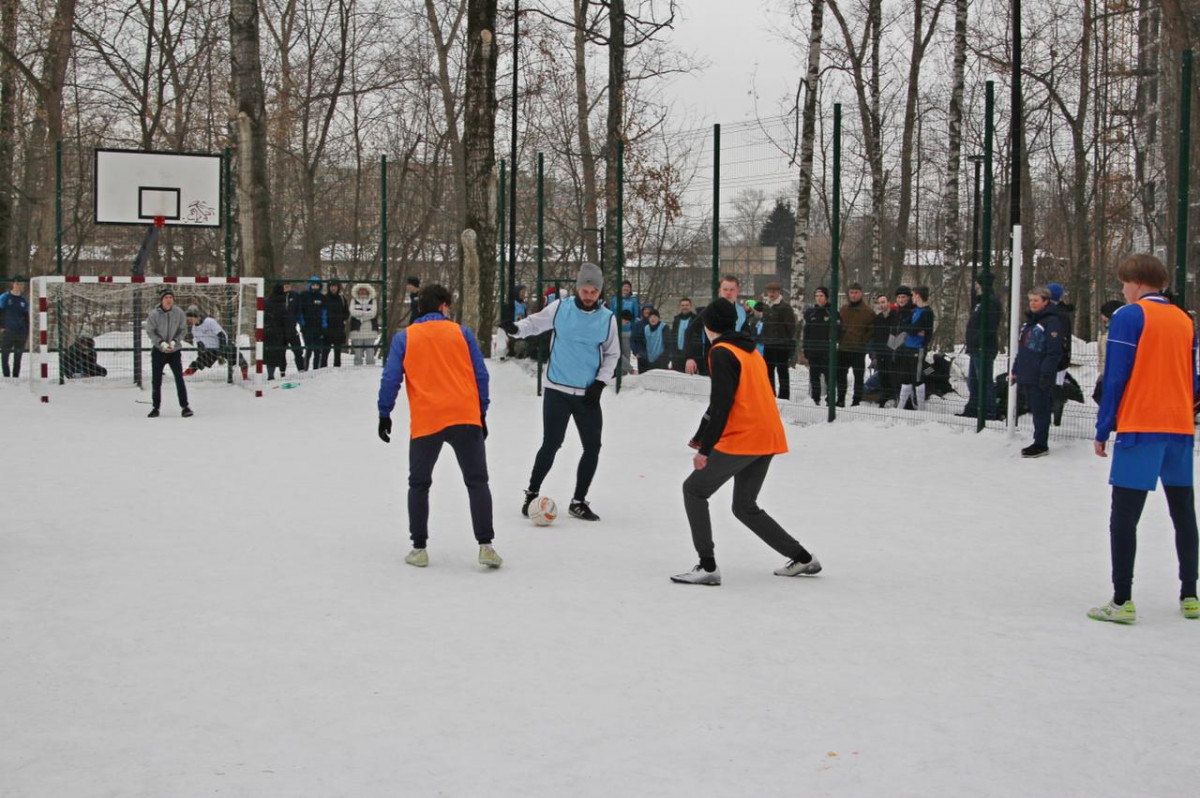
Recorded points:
(740,433)
(1149,391)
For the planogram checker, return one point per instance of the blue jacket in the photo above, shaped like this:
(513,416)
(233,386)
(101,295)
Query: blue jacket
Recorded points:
(393,372)
(14,310)
(1040,346)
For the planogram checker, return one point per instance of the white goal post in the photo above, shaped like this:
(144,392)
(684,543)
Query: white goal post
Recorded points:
(91,330)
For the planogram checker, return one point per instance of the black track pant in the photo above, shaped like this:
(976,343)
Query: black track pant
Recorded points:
(467,442)
(1127,504)
(777,358)
(558,409)
(12,343)
(847,362)
(158,361)
(748,473)
(314,342)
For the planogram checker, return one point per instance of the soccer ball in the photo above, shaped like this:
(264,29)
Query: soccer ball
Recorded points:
(543,511)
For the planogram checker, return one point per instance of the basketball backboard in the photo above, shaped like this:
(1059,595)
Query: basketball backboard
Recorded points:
(135,187)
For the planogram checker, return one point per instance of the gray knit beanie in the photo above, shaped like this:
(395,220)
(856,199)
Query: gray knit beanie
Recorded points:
(590,274)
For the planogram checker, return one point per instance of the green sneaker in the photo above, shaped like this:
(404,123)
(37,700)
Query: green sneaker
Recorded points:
(489,557)
(417,557)
(1117,613)
(1190,607)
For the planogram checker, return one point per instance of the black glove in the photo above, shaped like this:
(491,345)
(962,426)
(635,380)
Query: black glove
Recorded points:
(1045,382)
(592,395)
(385,429)
(509,327)
(200,346)
(483,423)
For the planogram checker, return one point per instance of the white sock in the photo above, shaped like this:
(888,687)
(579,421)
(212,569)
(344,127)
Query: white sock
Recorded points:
(905,393)
(921,397)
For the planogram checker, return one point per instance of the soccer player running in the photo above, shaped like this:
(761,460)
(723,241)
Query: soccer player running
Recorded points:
(584,352)
(1149,390)
(740,433)
(447,403)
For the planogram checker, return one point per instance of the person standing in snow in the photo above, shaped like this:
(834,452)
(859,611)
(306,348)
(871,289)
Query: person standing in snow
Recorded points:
(165,327)
(917,327)
(293,332)
(655,338)
(447,385)
(584,353)
(312,323)
(818,325)
(856,323)
(14,333)
(739,435)
(1149,388)
(337,312)
(1036,364)
(364,324)
(778,338)
(679,333)
(278,326)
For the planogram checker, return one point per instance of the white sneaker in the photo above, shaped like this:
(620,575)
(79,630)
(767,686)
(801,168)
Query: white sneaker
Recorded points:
(489,557)
(699,576)
(797,568)
(417,557)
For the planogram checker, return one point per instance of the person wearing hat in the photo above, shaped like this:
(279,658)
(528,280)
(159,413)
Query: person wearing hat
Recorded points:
(1066,316)
(14,313)
(778,338)
(817,324)
(211,343)
(312,323)
(982,358)
(337,313)
(165,327)
(584,352)
(917,327)
(655,341)
(413,286)
(740,434)
(856,324)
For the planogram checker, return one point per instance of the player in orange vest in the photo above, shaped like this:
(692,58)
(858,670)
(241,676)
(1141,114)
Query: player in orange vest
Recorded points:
(740,433)
(447,403)
(1148,399)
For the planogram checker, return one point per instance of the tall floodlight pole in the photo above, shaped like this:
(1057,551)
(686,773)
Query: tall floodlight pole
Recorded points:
(1014,188)
(512,161)
(976,161)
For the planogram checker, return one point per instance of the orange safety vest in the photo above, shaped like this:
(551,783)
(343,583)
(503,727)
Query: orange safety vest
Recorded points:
(754,426)
(439,378)
(1158,396)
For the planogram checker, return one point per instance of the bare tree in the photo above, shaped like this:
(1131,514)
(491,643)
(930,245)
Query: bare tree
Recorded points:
(807,139)
(8,129)
(254,193)
(479,147)
(951,216)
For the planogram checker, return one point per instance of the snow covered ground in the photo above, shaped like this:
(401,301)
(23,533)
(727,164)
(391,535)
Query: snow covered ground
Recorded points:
(218,606)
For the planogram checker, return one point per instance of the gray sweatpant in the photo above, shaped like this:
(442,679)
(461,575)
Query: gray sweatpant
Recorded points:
(748,473)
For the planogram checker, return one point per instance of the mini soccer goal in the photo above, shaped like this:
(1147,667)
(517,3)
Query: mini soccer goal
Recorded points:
(91,331)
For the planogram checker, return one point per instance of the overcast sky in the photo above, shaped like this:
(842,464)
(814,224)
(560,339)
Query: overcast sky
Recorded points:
(742,42)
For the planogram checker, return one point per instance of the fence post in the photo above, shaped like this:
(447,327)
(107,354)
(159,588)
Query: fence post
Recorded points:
(832,398)
(385,342)
(620,244)
(986,375)
(716,223)
(58,253)
(1185,145)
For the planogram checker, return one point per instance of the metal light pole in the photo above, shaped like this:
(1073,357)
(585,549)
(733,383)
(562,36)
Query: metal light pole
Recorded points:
(1014,297)
(977,162)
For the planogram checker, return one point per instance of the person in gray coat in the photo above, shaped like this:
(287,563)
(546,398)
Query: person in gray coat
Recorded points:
(165,327)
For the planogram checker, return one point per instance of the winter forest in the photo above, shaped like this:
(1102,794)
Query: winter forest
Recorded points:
(309,96)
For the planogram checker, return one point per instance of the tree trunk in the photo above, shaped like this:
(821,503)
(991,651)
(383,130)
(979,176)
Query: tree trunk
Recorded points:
(8,140)
(950,278)
(254,194)
(614,132)
(807,138)
(1181,24)
(1080,282)
(587,157)
(479,150)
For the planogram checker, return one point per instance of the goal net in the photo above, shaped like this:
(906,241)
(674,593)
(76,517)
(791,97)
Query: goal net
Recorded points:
(91,330)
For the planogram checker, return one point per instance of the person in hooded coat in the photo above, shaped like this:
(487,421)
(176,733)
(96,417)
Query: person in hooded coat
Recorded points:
(337,312)
(278,326)
(312,323)
(364,323)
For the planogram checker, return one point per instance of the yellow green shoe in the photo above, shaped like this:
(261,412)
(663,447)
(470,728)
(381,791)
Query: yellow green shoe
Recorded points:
(417,557)
(1190,607)
(489,557)
(1117,613)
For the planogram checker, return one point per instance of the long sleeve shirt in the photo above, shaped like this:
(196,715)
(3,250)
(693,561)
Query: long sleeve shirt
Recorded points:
(393,372)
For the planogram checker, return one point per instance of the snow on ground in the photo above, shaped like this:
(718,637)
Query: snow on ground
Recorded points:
(218,606)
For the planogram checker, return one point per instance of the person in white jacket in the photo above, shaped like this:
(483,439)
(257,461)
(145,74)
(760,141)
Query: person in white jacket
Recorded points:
(364,324)
(211,344)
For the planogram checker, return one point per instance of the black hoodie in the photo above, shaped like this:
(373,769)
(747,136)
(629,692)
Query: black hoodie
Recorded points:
(726,373)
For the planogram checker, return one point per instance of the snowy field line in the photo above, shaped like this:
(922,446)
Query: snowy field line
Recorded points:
(218,606)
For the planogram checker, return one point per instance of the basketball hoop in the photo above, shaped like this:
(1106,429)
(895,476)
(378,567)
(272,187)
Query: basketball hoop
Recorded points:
(160,221)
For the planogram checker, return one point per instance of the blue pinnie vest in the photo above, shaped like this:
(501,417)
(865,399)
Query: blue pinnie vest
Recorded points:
(579,338)
(654,342)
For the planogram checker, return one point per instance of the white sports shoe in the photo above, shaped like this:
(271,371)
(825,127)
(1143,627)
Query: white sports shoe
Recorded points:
(417,557)
(489,557)
(698,576)
(797,568)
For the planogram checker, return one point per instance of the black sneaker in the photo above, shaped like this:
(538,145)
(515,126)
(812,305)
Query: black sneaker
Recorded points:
(530,495)
(1035,450)
(187,412)
(580,509)
(153,413)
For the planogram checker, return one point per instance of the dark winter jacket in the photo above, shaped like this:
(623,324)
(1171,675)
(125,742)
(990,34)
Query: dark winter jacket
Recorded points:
(1040,348)
(817,327)
(992,345)
(778,325)
(857,324)
(79,360)
(278,325)
(1066,315)
(312,310)
(681,328)
(696,343)
(337,313)
(884,328)
(14,310)
(726,372)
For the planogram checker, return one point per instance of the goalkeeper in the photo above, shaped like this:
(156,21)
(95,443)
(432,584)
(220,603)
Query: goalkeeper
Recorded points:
(212,344)
(165,327)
